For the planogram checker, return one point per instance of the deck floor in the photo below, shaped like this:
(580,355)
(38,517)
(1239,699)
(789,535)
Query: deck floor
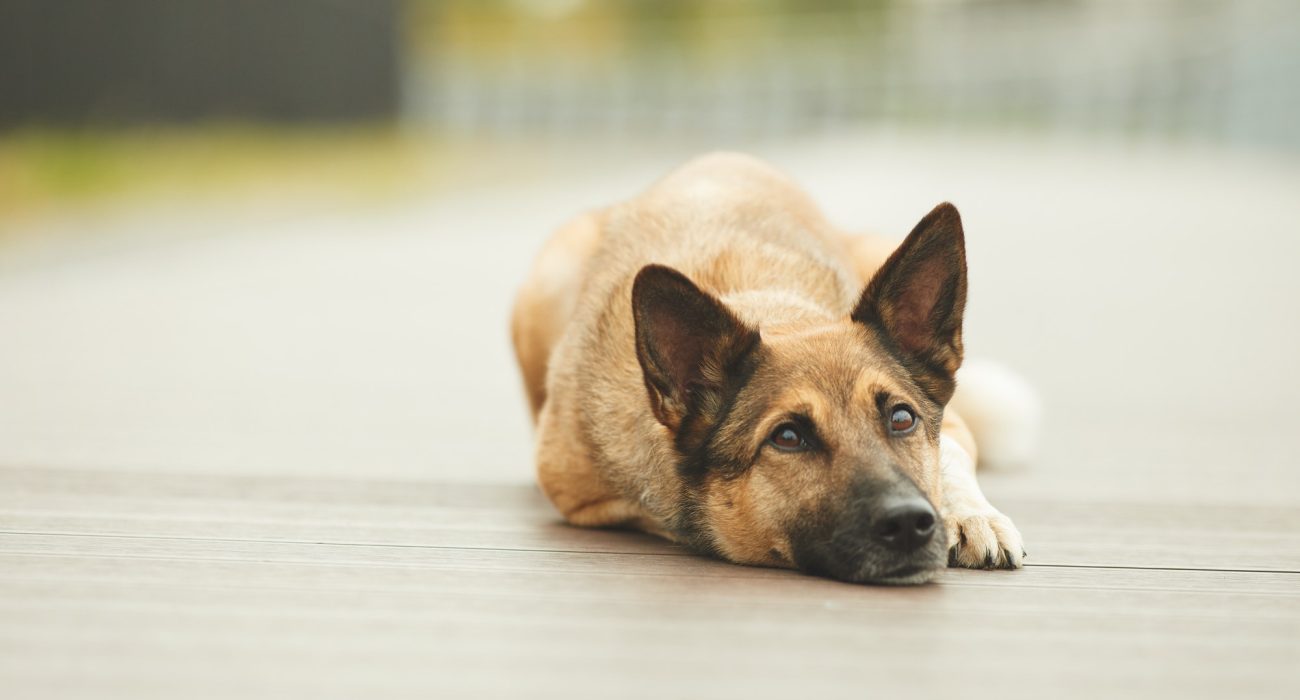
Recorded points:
(215,484)
(133,585)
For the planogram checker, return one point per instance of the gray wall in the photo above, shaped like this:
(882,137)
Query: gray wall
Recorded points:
(77,62)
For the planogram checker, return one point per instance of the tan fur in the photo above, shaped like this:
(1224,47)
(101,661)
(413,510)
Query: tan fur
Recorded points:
(546,302)
(746,234)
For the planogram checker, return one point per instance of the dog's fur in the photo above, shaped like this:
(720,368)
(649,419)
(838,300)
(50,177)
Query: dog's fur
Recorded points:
(663,340)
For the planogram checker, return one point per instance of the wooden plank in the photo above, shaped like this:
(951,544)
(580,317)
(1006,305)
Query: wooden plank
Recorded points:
(148,585)
(1057,530)
(688,625)
(1154,534)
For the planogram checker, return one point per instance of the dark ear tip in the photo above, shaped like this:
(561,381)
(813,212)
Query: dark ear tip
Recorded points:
(942,223)
(655,272)
(649,272)
(661,286)
(656,269)
(655,275)
(945,214)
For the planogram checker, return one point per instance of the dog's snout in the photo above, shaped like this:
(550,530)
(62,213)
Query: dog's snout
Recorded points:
(885,533)
(906,525)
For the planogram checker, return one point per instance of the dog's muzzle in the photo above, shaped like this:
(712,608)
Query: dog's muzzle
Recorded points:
(884,533)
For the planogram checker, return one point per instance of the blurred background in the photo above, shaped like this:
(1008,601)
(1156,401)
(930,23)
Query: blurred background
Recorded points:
(101,99)
(282,237)
(1211,70)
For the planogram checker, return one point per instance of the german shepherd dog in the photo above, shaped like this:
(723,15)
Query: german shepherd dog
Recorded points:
(713,363)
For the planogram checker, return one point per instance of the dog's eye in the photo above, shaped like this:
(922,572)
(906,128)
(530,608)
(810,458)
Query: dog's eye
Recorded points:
(787,438)
(902,420)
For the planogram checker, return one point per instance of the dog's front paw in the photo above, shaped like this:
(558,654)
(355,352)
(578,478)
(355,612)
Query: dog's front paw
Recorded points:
(983,539)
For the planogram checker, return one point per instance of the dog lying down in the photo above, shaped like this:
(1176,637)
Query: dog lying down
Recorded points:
(713,363)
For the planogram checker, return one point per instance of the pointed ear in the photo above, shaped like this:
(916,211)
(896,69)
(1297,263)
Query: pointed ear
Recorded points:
(686,341)
(917,298)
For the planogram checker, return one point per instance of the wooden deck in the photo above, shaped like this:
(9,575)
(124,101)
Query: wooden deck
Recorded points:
(262,489)
(151,585)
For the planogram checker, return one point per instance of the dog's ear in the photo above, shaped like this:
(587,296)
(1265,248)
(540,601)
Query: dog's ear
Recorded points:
(686,341)
(917,297)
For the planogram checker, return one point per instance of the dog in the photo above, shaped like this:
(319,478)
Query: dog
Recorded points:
(713,363)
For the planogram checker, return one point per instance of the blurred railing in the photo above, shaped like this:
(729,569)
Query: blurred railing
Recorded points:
(1218,70)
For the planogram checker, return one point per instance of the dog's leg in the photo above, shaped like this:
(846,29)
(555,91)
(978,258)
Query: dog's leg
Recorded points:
(569,477)
(979,536)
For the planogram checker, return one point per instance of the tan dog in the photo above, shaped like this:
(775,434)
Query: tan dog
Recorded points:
(714,363)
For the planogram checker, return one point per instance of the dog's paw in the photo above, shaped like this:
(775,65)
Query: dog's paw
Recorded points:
(983,539)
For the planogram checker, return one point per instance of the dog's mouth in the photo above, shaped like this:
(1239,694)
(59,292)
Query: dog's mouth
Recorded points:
(921,567)
(908,572)
(908,575)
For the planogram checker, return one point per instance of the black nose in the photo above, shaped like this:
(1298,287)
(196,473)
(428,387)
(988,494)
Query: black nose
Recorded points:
(905,526)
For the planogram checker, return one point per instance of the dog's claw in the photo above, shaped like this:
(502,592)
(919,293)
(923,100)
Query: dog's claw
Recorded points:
(983,540)
(1008,560)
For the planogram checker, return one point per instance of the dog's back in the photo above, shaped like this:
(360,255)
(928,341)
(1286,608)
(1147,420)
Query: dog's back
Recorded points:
(728,221)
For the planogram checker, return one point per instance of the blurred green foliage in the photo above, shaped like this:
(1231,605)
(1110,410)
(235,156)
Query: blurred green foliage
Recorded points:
(39,167)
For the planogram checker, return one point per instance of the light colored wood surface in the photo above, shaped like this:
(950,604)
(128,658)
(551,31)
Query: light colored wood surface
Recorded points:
(283,454)
(154,585)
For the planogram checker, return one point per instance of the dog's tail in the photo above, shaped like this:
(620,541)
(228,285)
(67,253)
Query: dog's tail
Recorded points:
(1002,411)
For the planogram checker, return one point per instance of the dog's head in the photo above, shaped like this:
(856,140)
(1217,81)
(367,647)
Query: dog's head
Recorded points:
(814,444)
